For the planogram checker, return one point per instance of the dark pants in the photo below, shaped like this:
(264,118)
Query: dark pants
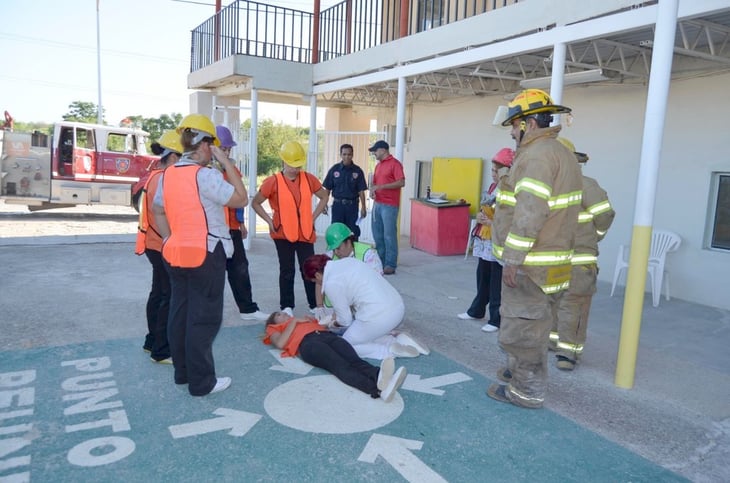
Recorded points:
(196,313)
(489,291)
(346,211)
(286,251)
(238,276)
(158,308)
(334,354)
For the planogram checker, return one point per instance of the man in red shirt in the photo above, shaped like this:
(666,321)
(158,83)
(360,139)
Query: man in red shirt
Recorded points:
(385,190)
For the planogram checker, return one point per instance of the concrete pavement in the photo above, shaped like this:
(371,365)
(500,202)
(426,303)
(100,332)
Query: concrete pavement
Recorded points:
(60,291)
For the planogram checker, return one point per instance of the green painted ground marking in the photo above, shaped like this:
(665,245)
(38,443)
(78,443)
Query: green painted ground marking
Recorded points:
(103,412)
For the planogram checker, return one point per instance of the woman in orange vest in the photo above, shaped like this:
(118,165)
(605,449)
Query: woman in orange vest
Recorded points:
(190,210)
(291,225)
(149,242)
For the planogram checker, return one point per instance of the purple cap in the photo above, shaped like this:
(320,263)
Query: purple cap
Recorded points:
(225,137)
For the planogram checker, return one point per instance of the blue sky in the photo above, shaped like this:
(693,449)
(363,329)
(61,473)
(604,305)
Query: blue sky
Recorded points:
(49,57)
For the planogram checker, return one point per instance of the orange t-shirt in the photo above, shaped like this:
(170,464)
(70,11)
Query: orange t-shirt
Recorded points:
(268,191)
(233,223)
(302,329)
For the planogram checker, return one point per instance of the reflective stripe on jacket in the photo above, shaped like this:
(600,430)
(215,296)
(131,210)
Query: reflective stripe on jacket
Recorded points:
(291,215)
(594,220)
(537,210)
(187,245)
(148,235)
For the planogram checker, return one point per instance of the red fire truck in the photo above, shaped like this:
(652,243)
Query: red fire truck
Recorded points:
(83,164)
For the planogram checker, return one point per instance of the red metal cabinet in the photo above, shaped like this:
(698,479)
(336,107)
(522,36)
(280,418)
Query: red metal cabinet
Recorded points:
(439,229)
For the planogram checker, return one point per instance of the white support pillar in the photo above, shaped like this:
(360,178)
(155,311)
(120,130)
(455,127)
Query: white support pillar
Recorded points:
(312,154)
(558,77)
(400,120)
(656,108)
(253,163)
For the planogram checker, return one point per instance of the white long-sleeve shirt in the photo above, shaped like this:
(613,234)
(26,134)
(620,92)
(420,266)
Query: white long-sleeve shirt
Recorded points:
(353,287)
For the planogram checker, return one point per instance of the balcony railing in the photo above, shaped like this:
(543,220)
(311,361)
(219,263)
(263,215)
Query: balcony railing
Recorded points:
(258,29)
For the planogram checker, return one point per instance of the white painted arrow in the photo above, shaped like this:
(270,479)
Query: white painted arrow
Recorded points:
(239,423)
(397,452)
(414,382)
(293,365)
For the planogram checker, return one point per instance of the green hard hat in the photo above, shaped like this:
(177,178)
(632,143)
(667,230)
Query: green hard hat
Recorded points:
(336,234)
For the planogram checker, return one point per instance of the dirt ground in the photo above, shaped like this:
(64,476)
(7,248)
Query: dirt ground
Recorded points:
(18,221)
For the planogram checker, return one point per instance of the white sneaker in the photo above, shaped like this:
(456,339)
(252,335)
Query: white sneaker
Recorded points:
(258,315)
(289,311)
(489,328)
(400,350)
(388,393)
(167,361)
(407,339)
(465,316)
(387,367)
(221,384)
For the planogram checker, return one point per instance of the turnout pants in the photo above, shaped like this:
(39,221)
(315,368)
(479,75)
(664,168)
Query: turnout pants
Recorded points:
(527,316)
(571,324)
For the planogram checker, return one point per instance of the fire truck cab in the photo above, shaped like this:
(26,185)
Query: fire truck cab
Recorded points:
(83,164)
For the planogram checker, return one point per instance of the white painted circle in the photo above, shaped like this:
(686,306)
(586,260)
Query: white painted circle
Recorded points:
(301,403)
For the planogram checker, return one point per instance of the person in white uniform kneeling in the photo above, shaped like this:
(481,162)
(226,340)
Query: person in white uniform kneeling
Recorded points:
(365,304)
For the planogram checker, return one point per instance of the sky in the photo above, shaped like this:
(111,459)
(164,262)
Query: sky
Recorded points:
(49,57)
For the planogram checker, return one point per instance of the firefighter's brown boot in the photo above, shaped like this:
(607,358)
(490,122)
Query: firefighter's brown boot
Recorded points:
(504,374)
(565,364)
(498,392)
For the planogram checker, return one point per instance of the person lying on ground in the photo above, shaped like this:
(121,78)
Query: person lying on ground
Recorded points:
(317,346)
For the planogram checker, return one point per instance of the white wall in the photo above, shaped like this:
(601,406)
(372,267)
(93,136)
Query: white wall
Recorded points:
(608,125)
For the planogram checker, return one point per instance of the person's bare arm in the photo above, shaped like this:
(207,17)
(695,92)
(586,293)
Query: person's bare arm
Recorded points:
(363,206)
(256,204)
(323,196)
(279,339)
(399,183)
(239,198)
(161,219)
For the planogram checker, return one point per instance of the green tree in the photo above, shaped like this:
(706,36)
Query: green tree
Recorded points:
(156,125)
(270,138)
(42,127)
(81,111)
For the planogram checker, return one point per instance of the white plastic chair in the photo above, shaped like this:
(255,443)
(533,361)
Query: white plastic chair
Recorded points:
(662,242)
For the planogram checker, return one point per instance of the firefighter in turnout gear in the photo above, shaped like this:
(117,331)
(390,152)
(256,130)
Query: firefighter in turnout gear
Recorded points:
(568,334)
(532,234)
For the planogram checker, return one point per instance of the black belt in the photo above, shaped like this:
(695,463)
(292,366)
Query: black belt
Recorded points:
(345,201)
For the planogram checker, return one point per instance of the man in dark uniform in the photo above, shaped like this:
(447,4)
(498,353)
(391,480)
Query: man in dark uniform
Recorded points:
(346,182)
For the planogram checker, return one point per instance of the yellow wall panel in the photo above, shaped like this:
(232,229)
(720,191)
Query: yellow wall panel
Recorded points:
(458,178)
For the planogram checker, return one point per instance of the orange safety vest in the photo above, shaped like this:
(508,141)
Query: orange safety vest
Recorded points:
(187,245)
(148,236)
(291,215)
(233,223)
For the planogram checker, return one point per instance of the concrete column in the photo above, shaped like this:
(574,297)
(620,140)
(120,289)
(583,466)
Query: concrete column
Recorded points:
(253,163)
(557,79)
(656,107)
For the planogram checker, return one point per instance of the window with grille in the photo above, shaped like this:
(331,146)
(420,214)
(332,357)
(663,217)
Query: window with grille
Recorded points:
(719,219)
